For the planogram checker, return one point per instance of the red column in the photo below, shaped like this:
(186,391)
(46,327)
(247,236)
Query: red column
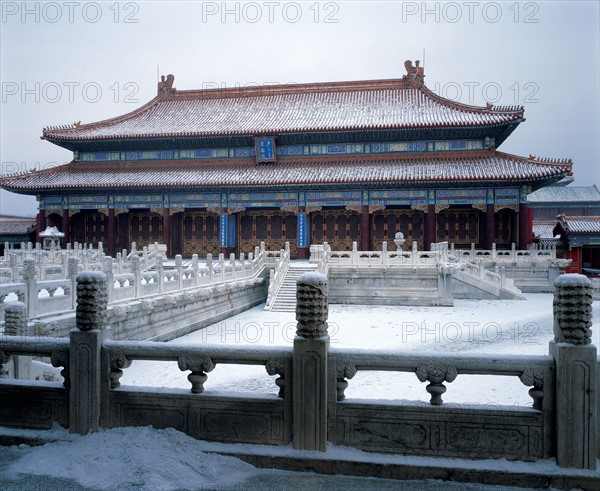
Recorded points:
(111,232)
(430,226)
(166,230)
(490,226)
(65,228)
(40,224)
(524,226)
(365,232)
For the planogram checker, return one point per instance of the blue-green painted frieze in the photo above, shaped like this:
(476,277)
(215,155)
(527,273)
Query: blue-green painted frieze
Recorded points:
(461,196)
(389,197)
(333,198)
(262,199)
(398,197)
(506,197)
(196,200)
(288,150)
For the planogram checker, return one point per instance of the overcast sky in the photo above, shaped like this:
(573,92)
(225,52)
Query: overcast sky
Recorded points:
(63,62)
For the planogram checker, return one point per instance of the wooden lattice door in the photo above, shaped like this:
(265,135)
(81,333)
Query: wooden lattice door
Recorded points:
(387,223)
(274,228)
(145,228)
(339,228)
(458,226)
(200,231)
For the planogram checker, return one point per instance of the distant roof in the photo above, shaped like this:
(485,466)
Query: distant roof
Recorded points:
(407,170)
(16,225)
(580,225)
(562,194)
(291,108)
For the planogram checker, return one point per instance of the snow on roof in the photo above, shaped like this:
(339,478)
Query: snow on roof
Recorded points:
(544,228)
(15,225)
(565,194)
(578,224)
(339,106)
(415,168)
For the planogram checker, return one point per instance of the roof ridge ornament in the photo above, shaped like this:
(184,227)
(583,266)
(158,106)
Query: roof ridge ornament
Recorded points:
(414,73)
(165,86)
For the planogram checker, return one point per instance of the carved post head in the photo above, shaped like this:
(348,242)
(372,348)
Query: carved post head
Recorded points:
(178,261)
(15,319)
(135,263)
(312,308)
(572,309)
(92,300)
(29,269)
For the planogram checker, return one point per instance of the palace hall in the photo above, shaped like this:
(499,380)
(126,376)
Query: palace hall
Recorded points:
(220,170)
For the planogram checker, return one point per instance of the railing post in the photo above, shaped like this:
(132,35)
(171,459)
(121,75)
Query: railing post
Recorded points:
(72,271)
(179,268)
(311,346)
(209,265)
(84,354)
(354,253)
(576,373)
(107,264)
(384,254)
(29,275)
(161,272)
(195,269)
(232,264)
(137,277)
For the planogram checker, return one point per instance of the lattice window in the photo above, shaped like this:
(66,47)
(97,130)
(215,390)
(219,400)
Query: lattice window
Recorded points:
(338,227)
(460,226)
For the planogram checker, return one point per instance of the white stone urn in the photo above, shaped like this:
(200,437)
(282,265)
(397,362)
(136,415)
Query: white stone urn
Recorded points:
(399,240)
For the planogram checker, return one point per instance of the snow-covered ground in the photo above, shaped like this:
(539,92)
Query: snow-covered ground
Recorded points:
(470,327)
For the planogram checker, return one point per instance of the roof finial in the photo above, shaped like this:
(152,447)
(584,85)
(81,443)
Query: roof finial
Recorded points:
(414,73)
(165,86)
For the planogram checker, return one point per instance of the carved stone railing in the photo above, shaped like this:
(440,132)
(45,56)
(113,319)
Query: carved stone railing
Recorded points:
(49,297)
(561,422)
(442,369)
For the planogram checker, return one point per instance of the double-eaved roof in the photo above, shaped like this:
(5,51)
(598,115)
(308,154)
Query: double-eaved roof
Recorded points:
(399,110)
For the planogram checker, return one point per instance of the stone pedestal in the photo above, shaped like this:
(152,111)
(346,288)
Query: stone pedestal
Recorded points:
(310,393)
(84,363)
(310,364)
(576,373)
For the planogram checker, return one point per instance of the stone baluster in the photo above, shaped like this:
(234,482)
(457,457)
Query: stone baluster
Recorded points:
(199,365)
(85,352)
(243,263)
(117,361)
(436,374)
(513,252)
(414,253)
(15,319)
(494,251)
(277,366)
(354,253)
(344,369)
(311,346)
(576,373)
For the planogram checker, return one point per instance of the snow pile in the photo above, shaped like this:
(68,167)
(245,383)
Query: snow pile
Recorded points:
(143,458)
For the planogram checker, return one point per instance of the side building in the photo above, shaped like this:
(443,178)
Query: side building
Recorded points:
(208,171)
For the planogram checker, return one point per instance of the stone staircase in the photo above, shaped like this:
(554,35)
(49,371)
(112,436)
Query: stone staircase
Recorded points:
(285,299)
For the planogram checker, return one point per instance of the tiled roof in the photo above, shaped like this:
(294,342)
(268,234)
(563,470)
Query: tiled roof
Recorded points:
(299,172)
(581,225)
(11,225)
(294,108)
(544,229)
(562,194)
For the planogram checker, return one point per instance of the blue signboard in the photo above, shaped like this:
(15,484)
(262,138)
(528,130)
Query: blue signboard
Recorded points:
(265,149)
(303,230)
(223,221)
